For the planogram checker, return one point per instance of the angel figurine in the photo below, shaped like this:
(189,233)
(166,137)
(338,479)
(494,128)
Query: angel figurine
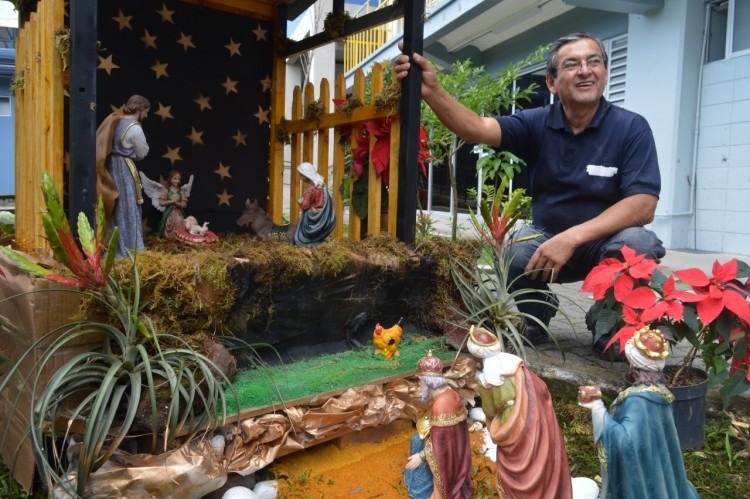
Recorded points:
(170,199)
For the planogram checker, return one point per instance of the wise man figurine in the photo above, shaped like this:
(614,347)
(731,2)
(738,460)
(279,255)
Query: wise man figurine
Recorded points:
(637,440)
(445,438)
(531,459)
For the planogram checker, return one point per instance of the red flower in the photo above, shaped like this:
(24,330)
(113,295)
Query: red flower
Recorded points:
(712,295)
(603,276)
(633,322)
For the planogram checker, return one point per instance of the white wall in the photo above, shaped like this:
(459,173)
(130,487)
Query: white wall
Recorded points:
(723,170)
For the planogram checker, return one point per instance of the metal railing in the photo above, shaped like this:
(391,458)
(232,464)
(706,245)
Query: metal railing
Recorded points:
(358,47)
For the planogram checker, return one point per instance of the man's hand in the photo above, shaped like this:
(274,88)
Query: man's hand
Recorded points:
(429,77)
(551,256)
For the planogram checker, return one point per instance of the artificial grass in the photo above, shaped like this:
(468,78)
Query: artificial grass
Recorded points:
(272,385)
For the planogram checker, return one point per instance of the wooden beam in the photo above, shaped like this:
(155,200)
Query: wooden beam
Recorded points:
(352,27)
(82,111)
(409,109)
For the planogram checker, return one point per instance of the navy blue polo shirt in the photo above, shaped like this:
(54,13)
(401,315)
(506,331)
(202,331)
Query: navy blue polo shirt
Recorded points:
(574,178)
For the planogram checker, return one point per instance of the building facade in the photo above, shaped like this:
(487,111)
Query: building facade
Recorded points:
(682,64)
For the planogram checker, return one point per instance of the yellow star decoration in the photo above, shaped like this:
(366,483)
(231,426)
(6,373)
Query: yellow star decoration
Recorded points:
(239,138)
(173,155)
(224,197)
(266,83)
(164,112)
(166,14)
(204,102)
(262,116)
(260,33)
(223,171)
(123,21)
(148,40)
(160,69)
(116,109)
(195,136)
(233,48)
(106,64)
(186,41)
(230,85)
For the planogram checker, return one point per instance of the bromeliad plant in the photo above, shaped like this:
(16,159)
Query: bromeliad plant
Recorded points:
(129,374)
(711,312)
(486,290)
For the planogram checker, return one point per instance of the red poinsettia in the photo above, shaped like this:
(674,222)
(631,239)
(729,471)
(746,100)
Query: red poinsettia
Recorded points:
(711,312)
(604,276)
(713,294)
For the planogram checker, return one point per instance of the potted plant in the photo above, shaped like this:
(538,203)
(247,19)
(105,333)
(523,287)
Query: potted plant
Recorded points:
(485,288)
(711,313)
(133,373)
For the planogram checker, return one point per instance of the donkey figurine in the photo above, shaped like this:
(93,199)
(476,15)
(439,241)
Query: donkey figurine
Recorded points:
(260,223)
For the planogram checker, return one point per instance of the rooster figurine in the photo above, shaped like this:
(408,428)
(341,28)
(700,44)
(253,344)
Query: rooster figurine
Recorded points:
(386,340)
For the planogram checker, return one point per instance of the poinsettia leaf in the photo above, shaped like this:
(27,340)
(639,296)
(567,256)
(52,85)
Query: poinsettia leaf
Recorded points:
(654,313)
(715,292)
(659,280)
(735,386)
(623,335)
(599,280)
(641,298)
(606,321)
(629,315)
(690,318)
(743,269)
(694,277)
(623,286)
(724,272)
(675,309)
(642,269)
(737,304)
(709,309)
(628,253)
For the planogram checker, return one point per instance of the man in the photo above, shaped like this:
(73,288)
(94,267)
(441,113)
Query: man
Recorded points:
(119,141)
(594,174)
(446,438)
(637,440)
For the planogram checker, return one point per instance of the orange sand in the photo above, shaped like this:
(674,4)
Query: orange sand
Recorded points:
(363,470)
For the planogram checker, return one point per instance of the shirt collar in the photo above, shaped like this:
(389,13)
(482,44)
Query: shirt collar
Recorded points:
(556,119)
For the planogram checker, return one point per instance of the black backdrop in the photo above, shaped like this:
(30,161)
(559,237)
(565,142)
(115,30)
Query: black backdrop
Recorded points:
(207,74)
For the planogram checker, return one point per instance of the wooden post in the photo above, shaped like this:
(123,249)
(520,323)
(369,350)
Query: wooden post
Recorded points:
(82,112)
(409,109)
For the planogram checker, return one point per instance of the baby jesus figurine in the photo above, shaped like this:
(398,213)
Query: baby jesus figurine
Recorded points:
(191,232)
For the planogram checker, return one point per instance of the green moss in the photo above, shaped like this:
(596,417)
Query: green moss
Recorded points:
(279,384)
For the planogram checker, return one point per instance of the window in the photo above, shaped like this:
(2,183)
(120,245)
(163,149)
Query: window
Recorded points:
(728,35)
(5,105)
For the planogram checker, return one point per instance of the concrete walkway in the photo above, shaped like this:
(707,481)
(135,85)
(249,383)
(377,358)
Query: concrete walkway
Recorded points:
(571,362)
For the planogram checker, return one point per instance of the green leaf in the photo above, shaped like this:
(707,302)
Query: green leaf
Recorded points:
(86,234)
(24,263)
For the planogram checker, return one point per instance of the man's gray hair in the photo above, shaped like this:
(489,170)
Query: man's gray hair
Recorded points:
(552,59)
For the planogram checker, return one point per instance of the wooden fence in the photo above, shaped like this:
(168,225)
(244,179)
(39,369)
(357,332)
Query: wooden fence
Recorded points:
(328,130)
(39,118)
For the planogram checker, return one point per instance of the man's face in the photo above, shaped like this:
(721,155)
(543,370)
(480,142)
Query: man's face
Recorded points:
(142,115)
(581,74)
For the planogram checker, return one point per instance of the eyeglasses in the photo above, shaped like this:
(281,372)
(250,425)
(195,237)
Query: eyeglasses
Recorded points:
(571,65)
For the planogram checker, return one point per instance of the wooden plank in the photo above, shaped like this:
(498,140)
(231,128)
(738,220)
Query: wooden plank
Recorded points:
(20,135)
(393,176)
(409,110)
(339,159)
(296,157)
(355,222)
(374,182)
(308,149)
(334,119)
(256,9)
(324,133)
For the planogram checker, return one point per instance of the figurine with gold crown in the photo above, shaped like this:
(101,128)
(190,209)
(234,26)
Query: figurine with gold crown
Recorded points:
(637,439)
(442,439)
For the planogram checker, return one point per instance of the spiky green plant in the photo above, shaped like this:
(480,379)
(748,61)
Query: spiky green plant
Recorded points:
(103,388)
(485,289)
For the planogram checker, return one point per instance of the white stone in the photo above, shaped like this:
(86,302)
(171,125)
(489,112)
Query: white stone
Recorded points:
(239,492)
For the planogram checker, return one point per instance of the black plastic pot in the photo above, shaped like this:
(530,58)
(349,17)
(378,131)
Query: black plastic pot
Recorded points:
(689,409)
